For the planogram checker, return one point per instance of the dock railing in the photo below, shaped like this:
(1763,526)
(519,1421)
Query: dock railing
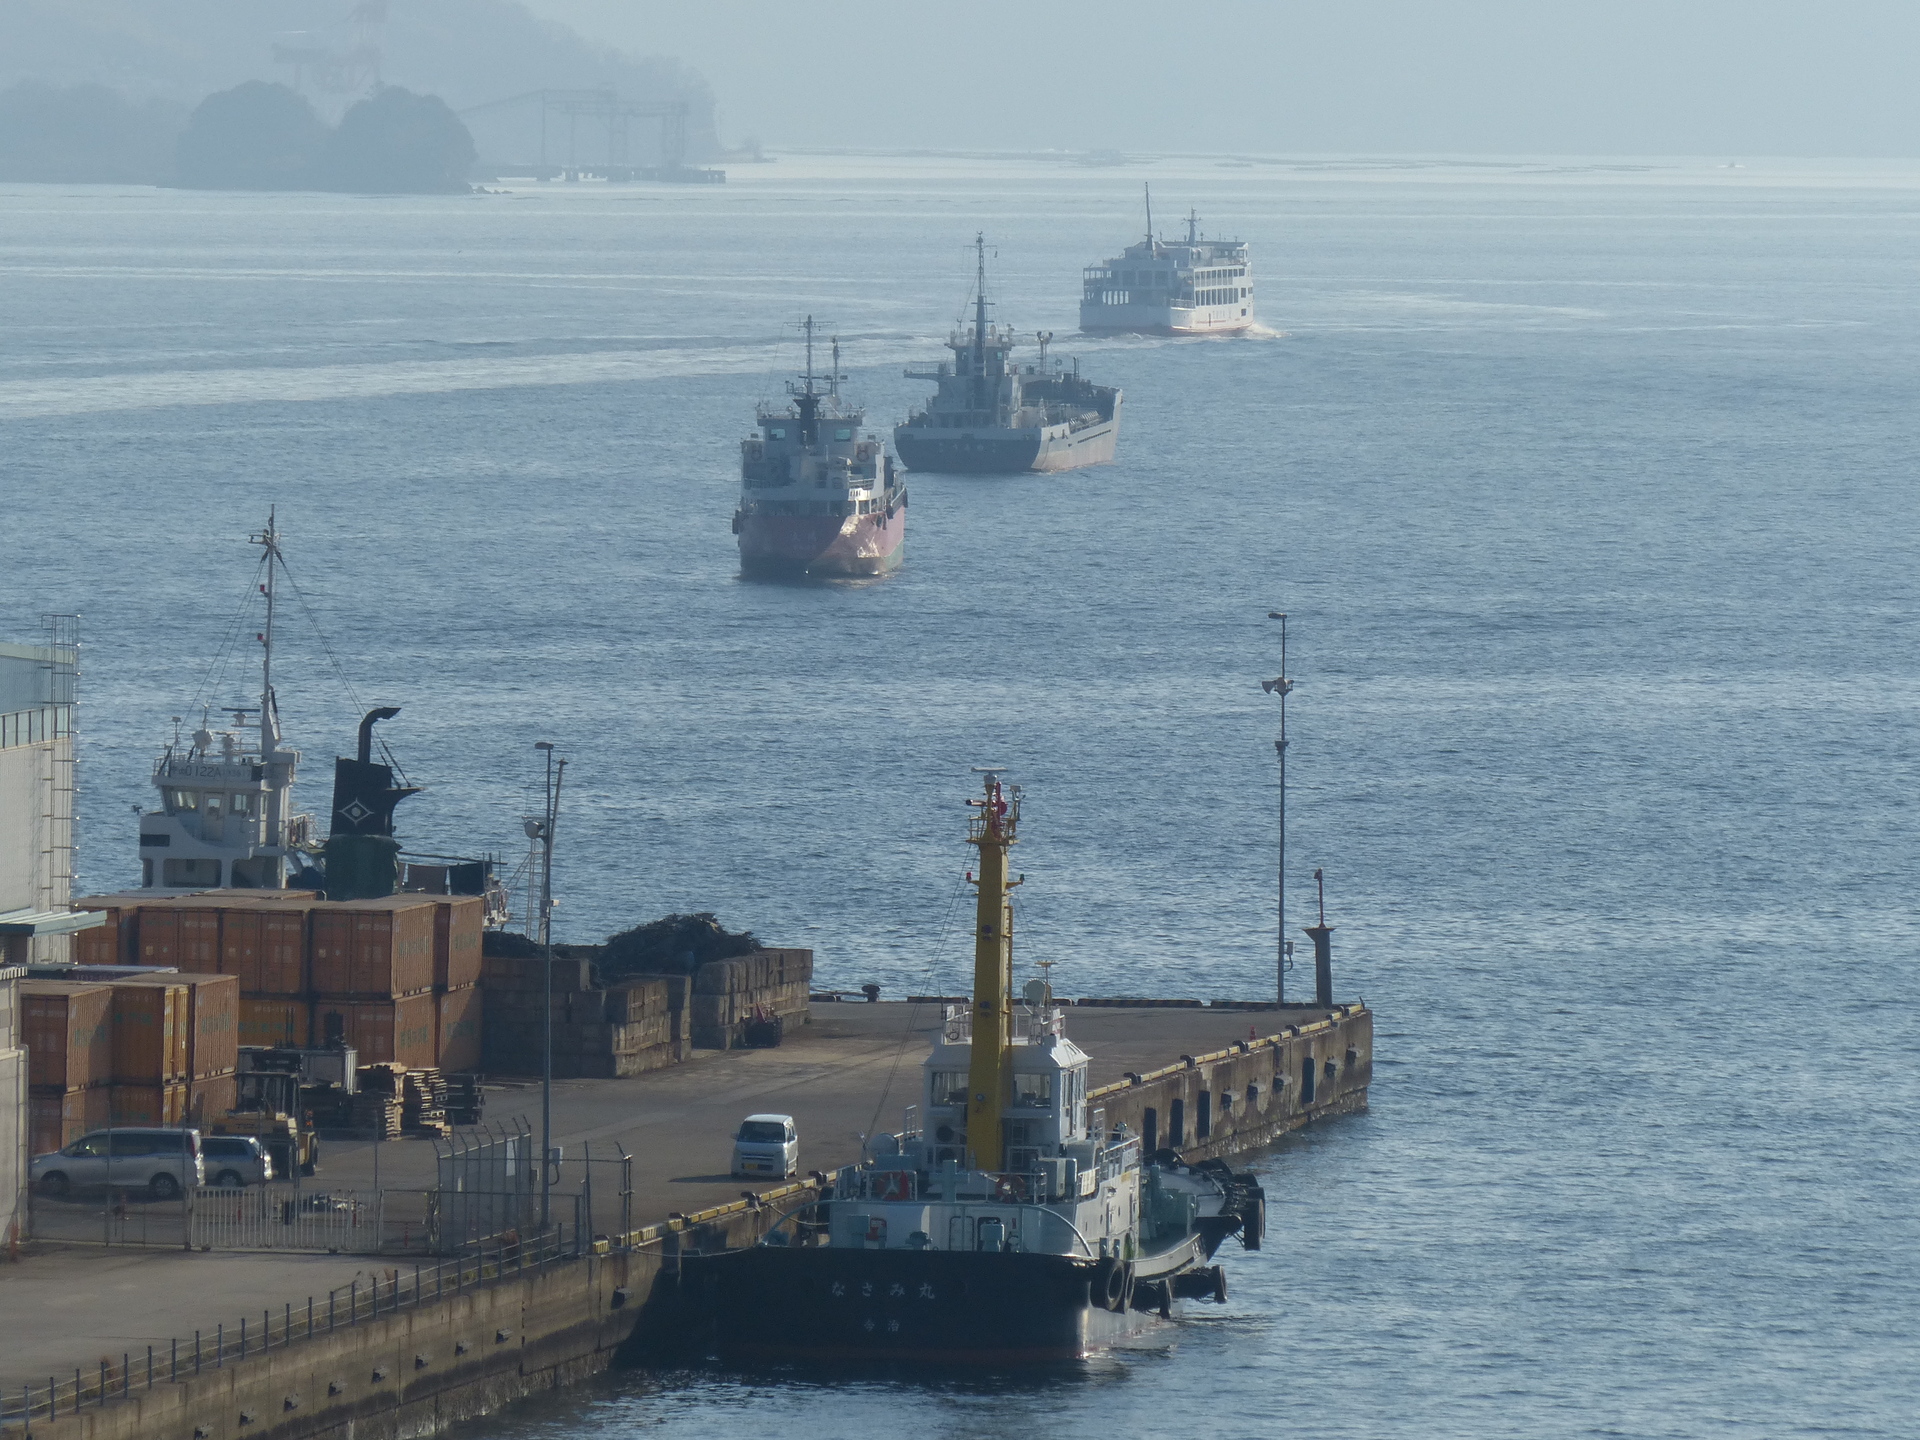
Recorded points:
(183,1357)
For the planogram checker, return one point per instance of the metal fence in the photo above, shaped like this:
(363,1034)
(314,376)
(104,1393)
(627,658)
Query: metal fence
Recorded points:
(109,1217)
(181,1357)
(339,1222)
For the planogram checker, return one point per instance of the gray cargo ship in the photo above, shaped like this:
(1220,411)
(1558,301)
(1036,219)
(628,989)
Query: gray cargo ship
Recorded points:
(994,416)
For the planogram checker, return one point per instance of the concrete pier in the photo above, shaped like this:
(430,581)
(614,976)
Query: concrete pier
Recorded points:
(1210,1081)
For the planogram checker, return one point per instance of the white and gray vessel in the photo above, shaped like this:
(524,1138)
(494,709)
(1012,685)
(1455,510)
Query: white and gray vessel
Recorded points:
(1194,286)
(995,416)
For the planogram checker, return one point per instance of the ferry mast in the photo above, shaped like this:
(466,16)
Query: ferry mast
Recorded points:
(990,1074)
(279,773)
(980,322)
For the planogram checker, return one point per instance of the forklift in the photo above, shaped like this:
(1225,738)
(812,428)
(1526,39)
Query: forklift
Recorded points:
(272,1104)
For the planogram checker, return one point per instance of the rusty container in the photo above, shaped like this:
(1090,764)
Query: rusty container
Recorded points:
(210,1100)
(273,1020)
(240,944)
(157,936)
(458,922)
(457,1028)
(399,1030)
(213,1018)
(149,1104)
(199,938)
(68,1031)
(56,1121)
(392,945)
(332,950)
(151,1032)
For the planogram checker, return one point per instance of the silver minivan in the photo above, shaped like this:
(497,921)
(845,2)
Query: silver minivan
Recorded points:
(235,1160)
(766,1145)
(161,1162)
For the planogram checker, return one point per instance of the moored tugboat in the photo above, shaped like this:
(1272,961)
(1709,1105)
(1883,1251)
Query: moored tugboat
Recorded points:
(817,496)
(1008,1225)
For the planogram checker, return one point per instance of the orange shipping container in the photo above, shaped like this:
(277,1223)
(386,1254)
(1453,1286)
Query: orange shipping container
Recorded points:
(458,922)
(271,1020)
(240,946)
(56,1121)
(210,1100)
(102,944)
(332,951)
(68,1030)
(265,945)
(199,938)
(381,1030)
(392,945)
(150,1033)
(213,1016)
(157,937)
(149,1104)
(457,1029)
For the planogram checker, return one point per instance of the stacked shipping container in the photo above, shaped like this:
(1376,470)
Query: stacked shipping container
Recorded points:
(395,978)
(68,1031)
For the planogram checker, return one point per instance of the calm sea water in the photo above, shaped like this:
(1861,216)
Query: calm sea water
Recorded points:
(1590,491)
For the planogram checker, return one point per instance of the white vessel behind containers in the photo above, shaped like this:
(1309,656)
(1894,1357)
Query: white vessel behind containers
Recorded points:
(1194,286)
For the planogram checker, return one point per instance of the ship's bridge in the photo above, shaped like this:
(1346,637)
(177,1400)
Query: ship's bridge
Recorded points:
(1049,1094)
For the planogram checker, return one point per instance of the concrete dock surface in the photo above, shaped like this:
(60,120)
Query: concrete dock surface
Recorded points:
(853,1070)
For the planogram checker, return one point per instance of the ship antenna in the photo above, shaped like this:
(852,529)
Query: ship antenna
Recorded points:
(980,321)
(1282,687)
(1147,185)
(833,380)
(269,540)
(1193,222)
(809,375)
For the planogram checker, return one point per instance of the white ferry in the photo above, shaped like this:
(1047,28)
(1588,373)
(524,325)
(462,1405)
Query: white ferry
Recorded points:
(1171,287)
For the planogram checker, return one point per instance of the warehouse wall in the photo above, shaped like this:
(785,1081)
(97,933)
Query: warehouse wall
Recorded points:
(36,794)
(13,1112)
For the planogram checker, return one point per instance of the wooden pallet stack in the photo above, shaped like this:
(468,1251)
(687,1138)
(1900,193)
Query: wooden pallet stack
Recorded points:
(424,1103)
(379,1105)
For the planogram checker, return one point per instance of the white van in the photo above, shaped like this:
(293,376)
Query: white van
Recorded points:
(767,1146)
(161,1162)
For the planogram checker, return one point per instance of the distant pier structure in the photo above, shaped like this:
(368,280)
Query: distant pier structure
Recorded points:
(599,149)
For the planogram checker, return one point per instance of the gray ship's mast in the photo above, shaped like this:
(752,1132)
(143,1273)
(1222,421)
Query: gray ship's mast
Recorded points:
(1148,187)
(269,540)
(980,321)
(1193,227)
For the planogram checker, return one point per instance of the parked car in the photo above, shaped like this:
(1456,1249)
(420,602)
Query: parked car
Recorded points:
(766,1145)
(161,1162)
(236,1160)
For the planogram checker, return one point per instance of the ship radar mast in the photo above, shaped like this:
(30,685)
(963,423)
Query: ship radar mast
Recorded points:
(1147,185)
(990,1074)
(980,321)
(269,541)
(1193,227)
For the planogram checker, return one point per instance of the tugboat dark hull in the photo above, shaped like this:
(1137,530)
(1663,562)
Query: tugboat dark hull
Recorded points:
(927,1306)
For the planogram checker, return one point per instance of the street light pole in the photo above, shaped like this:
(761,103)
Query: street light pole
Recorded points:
(556,773)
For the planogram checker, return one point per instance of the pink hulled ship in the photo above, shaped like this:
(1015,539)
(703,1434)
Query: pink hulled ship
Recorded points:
(817,496)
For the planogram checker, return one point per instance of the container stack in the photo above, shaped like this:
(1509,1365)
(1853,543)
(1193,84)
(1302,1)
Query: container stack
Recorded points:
(68,1031)
(728,995)
(176,1046)
(397,978)
(372,971)
(458,923)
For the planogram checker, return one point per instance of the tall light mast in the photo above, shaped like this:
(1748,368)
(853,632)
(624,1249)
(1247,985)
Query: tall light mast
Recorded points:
(990,1076)
(1283,687)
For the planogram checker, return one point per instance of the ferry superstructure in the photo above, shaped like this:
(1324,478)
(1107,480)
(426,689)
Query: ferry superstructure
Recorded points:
(1007,1223)
(994,416)
(226,817)
(818,496)
(1170,287)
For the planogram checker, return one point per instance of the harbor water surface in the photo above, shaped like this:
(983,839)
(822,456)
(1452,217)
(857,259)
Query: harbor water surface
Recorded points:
(1590,491)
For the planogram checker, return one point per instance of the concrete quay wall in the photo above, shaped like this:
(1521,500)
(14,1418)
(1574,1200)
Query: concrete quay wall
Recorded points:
(454,1357)
(1253,1092)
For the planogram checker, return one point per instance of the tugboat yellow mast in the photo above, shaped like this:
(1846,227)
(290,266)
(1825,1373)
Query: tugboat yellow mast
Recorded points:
(990,1076)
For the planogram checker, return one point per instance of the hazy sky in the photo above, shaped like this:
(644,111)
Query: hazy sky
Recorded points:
(1697,77)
